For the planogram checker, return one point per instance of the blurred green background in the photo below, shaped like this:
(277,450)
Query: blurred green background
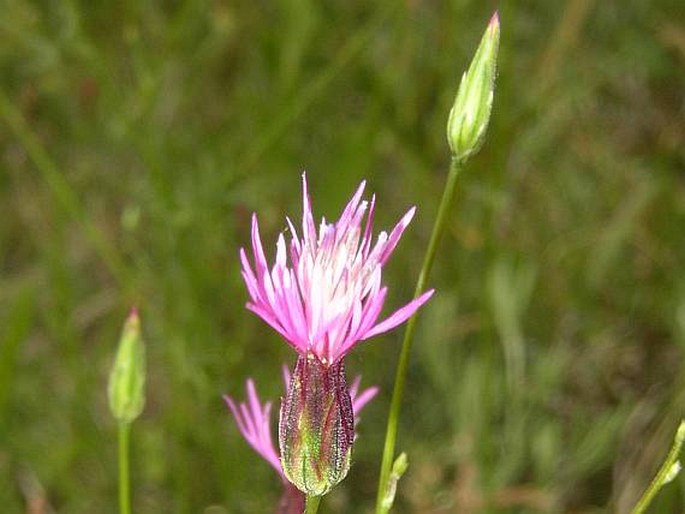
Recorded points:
(136,138)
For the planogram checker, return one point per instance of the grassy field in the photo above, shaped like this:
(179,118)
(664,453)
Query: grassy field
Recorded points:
(136,139)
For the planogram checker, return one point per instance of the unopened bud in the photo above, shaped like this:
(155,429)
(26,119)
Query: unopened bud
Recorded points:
(127,378)
(470,113)
(399,468)
(316,428)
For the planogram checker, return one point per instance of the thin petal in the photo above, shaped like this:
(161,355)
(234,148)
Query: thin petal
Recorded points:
(367,237)
(257,248)
(365,397)
(351,207)
(399,316)
(286,376)
(276,325)
(396,234)
(354,388)
(249,277)
(253,399)
(372,309)
(308,228)
(254,424)
(238,418)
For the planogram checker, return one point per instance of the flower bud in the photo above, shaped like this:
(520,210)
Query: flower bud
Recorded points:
(127,378)
(470,113)
(316,428)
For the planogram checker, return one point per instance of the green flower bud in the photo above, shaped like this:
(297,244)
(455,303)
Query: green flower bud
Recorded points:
(470,113)
(127,378)
(316,428)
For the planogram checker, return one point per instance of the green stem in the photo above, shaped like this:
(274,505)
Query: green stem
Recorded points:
(666,472)
(401,374)
(124,475)
(312,504)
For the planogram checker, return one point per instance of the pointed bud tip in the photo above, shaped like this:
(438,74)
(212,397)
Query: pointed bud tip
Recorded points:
(494,21)
(132,322)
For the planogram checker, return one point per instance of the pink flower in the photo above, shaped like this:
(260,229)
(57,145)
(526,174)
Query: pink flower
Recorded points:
(253,418)
(325,295)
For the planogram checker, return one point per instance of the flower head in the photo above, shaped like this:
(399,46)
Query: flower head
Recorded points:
(324,294)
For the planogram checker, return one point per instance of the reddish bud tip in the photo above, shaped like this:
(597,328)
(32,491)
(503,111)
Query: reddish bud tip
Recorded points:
(494,20)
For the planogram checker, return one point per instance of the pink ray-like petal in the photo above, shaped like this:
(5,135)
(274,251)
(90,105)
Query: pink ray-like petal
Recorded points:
(399,316)
(253,423)
(395,235)
(308,229)
(360,401)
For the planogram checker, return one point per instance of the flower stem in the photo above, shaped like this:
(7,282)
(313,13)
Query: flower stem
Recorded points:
(401,373)
(312,504)
(124,475)
(666,473)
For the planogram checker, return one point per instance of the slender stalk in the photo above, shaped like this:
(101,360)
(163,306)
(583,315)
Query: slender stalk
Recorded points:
(401,374)
(666,473)
(124,475)
(312,504)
